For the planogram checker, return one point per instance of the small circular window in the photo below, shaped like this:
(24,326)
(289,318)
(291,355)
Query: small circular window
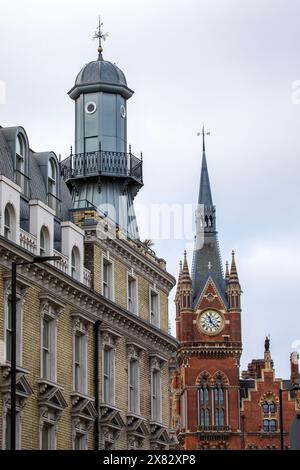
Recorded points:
(90,107)
(123,111)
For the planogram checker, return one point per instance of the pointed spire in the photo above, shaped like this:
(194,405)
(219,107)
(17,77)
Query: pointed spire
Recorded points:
(233,271)
(185,274)
(204,191)
(227,271)
(179,281)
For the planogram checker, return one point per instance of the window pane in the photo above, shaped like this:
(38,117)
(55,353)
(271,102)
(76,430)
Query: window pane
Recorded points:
(272,408)
(46,334)
(266,408)
(77,349)
(266,425)
(217,417)
(221,417)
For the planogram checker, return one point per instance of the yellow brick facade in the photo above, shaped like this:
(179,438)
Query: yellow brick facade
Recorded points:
(124,328)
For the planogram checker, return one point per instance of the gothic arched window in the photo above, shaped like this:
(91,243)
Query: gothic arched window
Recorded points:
(219,404)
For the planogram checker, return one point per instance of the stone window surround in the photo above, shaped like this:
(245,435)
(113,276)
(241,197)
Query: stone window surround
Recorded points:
(19,411)
(50,308)
(108,341)
(134,351)
(156,365)
(22,288)
(48,417)
(81,326)
(153,289)
(107,259)
(80,429)
(134,277)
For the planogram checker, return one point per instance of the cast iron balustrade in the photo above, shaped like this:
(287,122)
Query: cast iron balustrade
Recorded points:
(102,163)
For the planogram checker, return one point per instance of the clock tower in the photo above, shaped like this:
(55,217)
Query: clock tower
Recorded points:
(206,410)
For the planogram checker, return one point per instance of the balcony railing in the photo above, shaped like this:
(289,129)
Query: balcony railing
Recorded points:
(102,163)
(63,263)
(86,277)
(28,241)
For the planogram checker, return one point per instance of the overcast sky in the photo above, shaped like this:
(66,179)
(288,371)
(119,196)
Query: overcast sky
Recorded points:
(229,63)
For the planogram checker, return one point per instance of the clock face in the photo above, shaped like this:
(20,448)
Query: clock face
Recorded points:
(210,322)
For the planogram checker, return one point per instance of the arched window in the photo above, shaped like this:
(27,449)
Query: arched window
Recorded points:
(212,401)
(75,263)
(219,404)
(9,222)
(44,241)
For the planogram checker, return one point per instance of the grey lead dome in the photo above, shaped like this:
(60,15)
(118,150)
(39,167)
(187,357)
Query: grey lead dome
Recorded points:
(100,71)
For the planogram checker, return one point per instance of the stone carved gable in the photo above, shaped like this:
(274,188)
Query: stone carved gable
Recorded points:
(210,297)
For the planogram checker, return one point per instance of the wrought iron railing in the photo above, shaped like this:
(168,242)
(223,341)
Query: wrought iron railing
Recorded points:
(102,163)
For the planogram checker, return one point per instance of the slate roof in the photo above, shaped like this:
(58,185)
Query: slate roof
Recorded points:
(37,183)
(100,71)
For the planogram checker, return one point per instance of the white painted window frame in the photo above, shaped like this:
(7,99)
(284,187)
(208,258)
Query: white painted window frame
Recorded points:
(154,320)
(131,277)
(111,285)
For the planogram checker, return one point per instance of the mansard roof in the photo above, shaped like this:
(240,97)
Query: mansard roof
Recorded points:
(36,161)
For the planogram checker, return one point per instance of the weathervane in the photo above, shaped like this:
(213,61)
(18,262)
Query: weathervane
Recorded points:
(203,133)
(100,35)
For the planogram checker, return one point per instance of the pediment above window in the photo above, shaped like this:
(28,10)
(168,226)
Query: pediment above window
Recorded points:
(83,407)
(159,436)
(23,388)
(51,396)
(109,337)
(110,416)
(134,350)
(157,361)
(80,322)
(136,426)
(50,306)
(22,285)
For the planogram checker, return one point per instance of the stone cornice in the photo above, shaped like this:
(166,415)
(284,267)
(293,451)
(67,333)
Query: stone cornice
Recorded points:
(209,350)
(123,249)
(80,298)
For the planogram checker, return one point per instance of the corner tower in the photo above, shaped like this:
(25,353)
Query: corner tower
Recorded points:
(102,173)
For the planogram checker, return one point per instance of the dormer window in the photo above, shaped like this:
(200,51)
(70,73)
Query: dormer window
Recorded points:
(53,190)
(21,177)
(52,177)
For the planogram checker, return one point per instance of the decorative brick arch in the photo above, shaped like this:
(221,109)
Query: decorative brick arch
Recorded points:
(204,378)
(221,377)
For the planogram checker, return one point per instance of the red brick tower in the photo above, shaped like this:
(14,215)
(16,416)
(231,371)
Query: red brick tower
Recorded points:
(212,407)
(209,331)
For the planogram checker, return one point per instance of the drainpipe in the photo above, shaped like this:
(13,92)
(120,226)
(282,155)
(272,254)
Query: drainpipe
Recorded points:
(96,382)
